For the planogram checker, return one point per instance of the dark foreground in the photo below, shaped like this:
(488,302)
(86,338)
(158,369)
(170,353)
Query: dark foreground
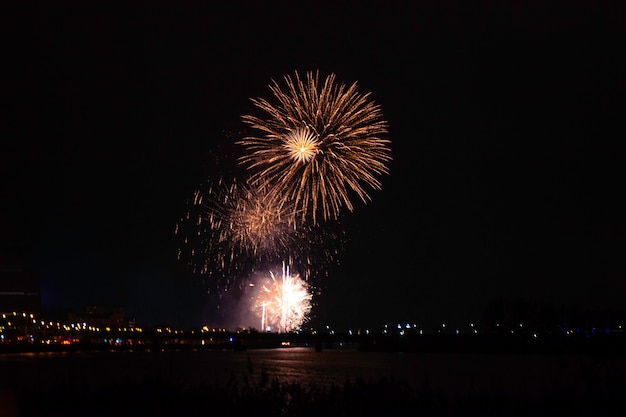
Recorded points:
(160,397)
(95,384)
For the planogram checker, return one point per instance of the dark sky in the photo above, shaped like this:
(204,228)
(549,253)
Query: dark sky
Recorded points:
(506,122)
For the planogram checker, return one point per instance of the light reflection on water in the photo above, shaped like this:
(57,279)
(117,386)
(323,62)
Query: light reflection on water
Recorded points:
(304,365)
(526,375)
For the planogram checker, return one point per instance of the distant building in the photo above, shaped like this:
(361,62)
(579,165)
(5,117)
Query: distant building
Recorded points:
(100,316)
(19,290)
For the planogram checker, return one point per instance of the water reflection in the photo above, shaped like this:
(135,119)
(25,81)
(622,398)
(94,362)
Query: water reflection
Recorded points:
(527,375)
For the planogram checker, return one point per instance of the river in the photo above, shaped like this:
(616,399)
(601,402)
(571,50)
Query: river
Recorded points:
(447,375)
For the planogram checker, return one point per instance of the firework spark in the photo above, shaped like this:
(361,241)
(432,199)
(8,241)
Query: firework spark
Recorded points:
(319,146)
(231,228)
(284,304)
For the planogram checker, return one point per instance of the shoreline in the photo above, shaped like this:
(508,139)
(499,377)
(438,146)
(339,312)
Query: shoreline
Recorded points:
(599,344)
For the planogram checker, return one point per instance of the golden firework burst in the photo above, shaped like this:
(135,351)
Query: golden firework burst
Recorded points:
(302,145)
(321,145)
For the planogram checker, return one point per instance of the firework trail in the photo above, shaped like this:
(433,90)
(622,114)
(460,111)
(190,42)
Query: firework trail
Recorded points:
(316,149)
(231,228)
(284,304)
(320,145)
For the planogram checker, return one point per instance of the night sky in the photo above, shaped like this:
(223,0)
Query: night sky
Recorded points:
(506,122)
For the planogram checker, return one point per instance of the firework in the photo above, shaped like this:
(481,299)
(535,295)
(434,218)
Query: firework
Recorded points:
(232,225)
(284,304)
(231,228)
(319,146)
